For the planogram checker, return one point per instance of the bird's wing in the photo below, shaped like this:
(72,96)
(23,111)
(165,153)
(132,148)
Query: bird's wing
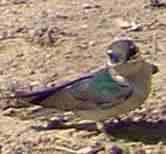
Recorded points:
(85,89)
(104,90)
(42,93)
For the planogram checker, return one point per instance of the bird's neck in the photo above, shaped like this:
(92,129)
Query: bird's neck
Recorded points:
(141,81)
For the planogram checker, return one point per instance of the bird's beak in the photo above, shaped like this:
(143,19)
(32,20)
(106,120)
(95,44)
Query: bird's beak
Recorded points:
(155,69)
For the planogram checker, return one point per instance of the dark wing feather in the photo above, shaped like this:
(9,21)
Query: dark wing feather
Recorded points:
(113,91)
(40,95)
(81,88)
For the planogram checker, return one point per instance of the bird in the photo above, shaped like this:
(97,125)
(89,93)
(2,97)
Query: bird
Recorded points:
(118,87)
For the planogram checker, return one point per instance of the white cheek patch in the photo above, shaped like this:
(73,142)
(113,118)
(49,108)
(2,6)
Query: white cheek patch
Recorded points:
(120,79)
(109,51)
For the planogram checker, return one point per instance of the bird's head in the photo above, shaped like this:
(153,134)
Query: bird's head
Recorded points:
(122,50)
(124,56)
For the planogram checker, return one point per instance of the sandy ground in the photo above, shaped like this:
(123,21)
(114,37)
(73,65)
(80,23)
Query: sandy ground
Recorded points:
(42,41)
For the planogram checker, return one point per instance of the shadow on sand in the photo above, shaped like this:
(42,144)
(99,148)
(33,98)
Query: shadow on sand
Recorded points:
(144,131)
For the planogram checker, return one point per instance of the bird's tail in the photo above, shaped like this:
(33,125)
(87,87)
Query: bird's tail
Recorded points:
(38,95)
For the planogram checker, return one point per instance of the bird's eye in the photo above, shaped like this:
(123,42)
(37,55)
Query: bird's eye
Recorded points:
(113,56)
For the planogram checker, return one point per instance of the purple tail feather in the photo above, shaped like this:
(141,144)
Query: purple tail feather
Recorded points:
(40,95)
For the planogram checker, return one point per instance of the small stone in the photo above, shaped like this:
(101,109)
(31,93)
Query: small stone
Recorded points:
(83,46)
(90,6)
(92,43)
(122,23)
(135,27)
(113,149)
(35,108)
(20,1)
(137,118)
(87,6)
(131,26)
(35,83)
(84,26)
(20,54)
(91,149)
(9,112)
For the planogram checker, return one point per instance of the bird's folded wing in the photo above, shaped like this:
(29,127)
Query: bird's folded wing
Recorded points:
(110,94)
(44,92)
(81,89)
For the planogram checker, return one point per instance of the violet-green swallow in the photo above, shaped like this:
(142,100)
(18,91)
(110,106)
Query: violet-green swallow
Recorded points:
(119,87)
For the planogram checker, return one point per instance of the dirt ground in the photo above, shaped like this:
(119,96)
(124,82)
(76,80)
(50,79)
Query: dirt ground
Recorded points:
(42,41)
